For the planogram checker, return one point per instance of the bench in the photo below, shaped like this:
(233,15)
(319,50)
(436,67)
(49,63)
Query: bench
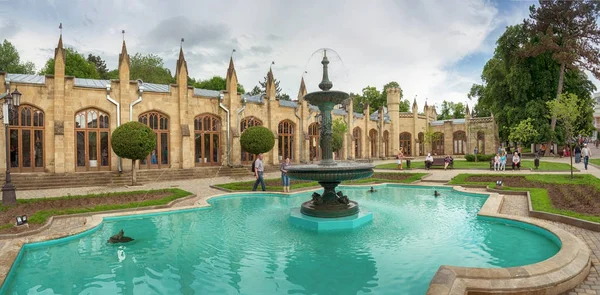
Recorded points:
(440,162)
(509,158)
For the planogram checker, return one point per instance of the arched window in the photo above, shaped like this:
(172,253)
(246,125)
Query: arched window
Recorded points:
(285,131)
(357,142)
(405,143)
(207,147)
(481,142)
(421,144)
(248,158)
(373,140)
(438,144)
(159,123)
(313,141)
(92,147)
(386,143)
(26,143)
(459,142)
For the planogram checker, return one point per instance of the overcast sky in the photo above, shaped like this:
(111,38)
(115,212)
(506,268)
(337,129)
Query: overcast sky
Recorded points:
(433,49)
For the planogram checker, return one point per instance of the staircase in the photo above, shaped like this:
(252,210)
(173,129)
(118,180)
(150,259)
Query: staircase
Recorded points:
(33,181)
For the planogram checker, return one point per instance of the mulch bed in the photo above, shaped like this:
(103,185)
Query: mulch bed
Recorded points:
(31,208)
(575,197)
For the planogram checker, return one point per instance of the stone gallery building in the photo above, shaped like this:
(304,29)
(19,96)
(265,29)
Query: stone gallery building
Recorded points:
(64,124)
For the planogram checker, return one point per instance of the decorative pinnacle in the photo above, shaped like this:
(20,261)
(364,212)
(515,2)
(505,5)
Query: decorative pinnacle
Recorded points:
(325,84)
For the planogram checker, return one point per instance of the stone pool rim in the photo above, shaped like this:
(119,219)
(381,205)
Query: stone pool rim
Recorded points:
(559,273)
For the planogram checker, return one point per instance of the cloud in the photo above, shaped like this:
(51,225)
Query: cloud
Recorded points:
(433,49)
(169,32)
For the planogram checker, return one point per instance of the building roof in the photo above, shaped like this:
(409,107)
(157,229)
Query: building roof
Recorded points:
(91,83)
(254,98)
(441,122)
(288,103)
(339,112)
(359,115)
(26,78)
(206,93)
(151,87)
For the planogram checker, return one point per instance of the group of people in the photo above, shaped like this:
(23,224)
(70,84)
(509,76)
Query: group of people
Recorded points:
(258,168)
(429,161)
(500,161)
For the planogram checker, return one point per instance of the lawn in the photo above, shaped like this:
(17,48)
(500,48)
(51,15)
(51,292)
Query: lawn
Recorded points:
(39,210)
(559,194)
(274,184)
(459,164)
(594,161)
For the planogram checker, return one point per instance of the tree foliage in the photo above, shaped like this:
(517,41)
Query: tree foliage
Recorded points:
(149,68)
(10,61)
(133,140)
(100,65)
(369,95)
(516,87)
(257,140)
(339,129)
(263,86)
(452,110)
(215,83)
(524,132)
(255,91)
(75,65)
(568,32)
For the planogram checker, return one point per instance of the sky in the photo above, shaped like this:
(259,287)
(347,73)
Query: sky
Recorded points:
(435,50)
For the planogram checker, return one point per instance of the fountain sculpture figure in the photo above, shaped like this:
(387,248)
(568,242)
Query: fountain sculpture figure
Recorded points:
(328,173)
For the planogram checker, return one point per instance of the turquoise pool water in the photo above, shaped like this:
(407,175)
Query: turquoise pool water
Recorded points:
(246,245)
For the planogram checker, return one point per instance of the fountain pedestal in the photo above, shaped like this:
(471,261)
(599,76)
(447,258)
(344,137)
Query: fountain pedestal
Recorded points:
(330,207)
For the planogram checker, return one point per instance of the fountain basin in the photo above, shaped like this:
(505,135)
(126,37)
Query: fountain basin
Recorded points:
(329,96)
(300,219)
(331,173)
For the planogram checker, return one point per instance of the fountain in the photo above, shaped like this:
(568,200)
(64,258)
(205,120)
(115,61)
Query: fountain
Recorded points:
(330,204)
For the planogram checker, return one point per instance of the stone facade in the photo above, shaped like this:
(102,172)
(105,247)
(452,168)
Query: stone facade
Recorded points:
(200,127)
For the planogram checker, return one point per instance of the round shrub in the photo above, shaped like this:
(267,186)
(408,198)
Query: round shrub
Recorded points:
(133,140)
(257,140)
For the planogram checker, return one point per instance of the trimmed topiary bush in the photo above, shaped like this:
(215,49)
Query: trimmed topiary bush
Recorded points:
(135,141)
(257,140)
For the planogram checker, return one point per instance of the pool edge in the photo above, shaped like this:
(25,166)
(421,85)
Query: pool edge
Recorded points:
(555,275)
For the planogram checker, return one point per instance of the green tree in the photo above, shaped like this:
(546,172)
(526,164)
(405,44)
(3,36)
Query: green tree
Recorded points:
(133,140)
(430,136)
(566,110)
(370,95)
(567,30)
(263,87)
(339,130)
(257,140)
(75,65)
(524,132)
(404,106)
(452,110)
(284,96)
(150,68)
(255,91)
(100,65)
(516,87)
(10,61)
(215,83)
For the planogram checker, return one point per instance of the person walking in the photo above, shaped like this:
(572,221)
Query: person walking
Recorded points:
(259,169)
(586,153)
(285,179)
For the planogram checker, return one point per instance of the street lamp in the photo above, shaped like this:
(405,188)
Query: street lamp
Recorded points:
(12,101)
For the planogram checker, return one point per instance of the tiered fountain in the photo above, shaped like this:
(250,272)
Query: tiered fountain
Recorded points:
(331,209)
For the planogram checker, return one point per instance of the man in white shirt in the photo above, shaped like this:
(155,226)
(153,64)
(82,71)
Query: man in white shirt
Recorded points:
(259,168)
(586,153)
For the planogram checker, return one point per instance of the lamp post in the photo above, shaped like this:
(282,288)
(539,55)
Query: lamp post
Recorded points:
(9,196)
